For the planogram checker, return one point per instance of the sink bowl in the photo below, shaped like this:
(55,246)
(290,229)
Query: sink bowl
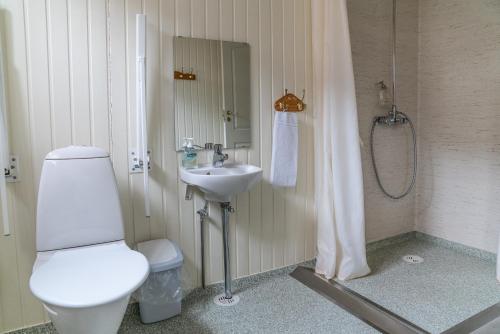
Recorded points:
(221,184)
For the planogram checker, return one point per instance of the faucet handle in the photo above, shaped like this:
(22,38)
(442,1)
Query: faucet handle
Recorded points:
(218,148)
(209,146)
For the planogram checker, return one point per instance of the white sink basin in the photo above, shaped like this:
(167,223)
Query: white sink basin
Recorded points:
(221,184)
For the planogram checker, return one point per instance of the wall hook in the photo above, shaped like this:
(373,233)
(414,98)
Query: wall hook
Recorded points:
(290,102)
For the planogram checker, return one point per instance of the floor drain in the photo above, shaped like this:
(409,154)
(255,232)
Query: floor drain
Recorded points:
(413,259)
(221,300)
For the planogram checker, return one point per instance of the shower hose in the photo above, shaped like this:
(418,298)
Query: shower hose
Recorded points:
(410,187)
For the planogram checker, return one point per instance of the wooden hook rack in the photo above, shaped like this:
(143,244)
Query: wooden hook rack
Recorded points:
(290,102)
(181,75)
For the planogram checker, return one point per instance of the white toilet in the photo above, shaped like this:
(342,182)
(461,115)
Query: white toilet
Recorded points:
(84,272)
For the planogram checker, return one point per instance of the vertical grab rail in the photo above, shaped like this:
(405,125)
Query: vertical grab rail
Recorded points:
(4,149)
(142,131)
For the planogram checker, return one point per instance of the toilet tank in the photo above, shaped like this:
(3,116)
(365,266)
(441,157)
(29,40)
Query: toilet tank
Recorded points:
(78,201)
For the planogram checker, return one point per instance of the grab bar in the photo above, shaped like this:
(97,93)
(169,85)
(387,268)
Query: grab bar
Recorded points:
(4,149)
(142,126)
(3,200)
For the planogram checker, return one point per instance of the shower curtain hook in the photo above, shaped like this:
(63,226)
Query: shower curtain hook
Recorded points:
(303,95)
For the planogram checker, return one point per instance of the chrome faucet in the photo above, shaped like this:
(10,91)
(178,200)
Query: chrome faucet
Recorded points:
(219,157)
(393,117)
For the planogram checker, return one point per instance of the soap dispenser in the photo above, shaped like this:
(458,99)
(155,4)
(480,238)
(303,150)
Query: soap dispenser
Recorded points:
(190,156)
(383,98)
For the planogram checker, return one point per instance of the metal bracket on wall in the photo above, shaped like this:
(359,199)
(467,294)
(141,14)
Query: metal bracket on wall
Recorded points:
(134,164)
(12,171)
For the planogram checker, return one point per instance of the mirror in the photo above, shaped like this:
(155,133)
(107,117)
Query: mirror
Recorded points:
(212,92)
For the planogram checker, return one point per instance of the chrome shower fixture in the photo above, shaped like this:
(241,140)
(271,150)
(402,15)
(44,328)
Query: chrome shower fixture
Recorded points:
(392,118)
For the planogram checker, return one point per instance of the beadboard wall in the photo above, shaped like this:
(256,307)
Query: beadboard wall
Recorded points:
(71,77)
(459,121)
(71,73)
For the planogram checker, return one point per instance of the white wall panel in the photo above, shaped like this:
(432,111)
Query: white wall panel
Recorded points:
(266,116)
(242,216)
(60,95)
(78,22)
(98,74)
(71,72)
(18,305)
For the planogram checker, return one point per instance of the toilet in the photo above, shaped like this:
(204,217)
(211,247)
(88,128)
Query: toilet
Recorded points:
(84,273)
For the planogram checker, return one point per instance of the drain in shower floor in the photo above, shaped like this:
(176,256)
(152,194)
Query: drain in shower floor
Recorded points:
(413,259)
(221,300)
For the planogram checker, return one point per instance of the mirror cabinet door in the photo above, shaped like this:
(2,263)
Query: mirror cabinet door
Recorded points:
(212,92)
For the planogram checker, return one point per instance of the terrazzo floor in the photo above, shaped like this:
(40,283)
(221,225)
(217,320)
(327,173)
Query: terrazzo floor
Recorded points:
(448,287)
(270,303)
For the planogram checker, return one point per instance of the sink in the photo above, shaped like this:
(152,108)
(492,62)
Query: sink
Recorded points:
(222,183)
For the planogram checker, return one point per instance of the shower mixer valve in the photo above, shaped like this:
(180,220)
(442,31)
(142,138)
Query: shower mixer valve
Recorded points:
(393,117)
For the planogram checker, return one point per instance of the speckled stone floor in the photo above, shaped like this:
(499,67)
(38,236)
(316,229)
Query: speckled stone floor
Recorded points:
(448,287)
(270,303)
(274,303)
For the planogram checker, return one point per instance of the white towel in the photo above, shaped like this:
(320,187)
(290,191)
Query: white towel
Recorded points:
(285,150)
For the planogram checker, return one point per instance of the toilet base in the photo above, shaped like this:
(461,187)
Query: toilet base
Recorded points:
(102,319)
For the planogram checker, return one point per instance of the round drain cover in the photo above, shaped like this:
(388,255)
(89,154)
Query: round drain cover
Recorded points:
(413,259)
(221,300)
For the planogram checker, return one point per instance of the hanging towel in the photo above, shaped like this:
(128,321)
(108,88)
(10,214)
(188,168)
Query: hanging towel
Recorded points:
(285,150)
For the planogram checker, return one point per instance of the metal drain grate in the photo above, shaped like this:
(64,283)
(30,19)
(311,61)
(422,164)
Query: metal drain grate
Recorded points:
(368,311)
(221,300)
(413,259)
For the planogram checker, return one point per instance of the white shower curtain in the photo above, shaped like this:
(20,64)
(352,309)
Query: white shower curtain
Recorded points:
(338,174)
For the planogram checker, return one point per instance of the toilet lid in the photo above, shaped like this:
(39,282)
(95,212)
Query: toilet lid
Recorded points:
(89,276)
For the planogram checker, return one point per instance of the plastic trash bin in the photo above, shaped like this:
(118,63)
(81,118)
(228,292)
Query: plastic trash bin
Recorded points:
(160,296)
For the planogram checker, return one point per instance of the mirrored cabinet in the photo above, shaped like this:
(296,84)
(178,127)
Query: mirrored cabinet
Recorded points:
(212,92)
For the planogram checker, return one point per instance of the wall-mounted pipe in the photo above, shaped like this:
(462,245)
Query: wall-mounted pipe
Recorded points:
(142,125)
(203,213)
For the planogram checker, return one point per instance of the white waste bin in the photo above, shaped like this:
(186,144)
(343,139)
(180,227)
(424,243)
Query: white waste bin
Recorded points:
(160,296)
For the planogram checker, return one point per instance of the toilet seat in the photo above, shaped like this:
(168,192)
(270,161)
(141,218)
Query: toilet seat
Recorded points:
(88,276)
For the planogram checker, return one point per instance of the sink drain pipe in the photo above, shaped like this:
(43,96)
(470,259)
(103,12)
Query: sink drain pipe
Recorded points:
(203,213)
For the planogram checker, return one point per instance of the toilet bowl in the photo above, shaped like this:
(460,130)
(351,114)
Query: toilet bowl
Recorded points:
(84,273)
(87,289)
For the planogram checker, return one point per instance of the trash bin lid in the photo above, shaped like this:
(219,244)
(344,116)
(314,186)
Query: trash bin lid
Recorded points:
(162,254)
